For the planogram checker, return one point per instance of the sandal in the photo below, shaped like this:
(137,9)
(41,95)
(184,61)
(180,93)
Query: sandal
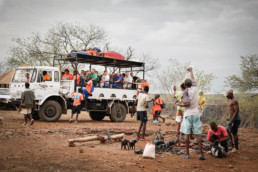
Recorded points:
(186,156)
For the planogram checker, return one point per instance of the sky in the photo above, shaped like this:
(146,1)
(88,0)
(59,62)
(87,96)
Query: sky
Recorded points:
(212,35)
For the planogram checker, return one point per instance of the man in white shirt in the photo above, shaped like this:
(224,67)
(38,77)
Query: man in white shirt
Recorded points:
(127,81)
(142,106)
(191,114)
(104,80)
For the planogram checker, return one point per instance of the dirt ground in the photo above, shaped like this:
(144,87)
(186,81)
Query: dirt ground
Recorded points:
(44,147)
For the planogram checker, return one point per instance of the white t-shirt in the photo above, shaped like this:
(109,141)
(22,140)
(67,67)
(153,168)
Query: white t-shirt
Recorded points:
(191,95)
(128,79)
(105,78)
(142,101)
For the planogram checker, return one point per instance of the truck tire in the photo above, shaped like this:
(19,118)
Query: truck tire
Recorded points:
(50,111)
(97,116)
(118,113)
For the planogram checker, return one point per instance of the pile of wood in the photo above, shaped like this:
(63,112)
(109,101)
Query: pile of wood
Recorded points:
(102,139)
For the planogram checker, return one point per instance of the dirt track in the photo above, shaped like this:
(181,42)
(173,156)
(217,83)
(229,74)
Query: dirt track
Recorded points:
(44,147)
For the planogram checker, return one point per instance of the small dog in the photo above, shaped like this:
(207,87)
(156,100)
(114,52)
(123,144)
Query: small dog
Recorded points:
(132,144)
(124,143)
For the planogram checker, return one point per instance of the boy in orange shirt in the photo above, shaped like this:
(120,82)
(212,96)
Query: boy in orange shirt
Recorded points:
(157,102)
(78,97)
(87,92)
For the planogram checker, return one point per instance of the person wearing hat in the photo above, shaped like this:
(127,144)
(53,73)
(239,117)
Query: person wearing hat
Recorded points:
(191,114)
(201,101)
(234,119)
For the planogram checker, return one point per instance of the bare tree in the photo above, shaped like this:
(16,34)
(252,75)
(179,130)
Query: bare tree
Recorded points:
(59,40)
(175,74)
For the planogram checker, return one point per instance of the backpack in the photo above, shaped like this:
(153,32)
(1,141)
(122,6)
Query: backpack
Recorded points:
(218,151)
(163,105)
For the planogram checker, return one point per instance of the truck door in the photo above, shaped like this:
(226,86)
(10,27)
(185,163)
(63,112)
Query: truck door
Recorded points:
(47,85)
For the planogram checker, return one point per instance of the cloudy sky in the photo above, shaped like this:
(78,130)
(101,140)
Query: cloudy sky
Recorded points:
(211,34)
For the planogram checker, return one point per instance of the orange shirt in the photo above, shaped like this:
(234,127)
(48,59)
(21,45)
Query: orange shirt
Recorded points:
(77,98)
(143,85)
(78,78)
(88,87)
(67,76)
(157,106)
(46,77)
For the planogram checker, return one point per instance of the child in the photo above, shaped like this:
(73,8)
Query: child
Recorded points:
(157,102)
(78,97)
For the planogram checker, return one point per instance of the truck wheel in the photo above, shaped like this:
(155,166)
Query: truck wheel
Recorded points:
(50,111)
(97,116)
(118,113)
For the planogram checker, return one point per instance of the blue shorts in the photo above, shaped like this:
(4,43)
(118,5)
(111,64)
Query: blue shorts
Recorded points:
(189,122)
(85,93)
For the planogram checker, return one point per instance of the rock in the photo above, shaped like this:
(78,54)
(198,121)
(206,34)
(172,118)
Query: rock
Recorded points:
(230,166)
(168,123)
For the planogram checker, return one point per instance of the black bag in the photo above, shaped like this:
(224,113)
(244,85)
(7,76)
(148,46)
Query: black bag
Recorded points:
(163,105)
(218,151)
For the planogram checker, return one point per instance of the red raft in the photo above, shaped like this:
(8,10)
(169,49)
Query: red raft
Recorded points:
(112,54)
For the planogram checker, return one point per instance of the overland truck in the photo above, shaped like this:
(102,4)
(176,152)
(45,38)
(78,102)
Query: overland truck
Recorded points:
(54,97)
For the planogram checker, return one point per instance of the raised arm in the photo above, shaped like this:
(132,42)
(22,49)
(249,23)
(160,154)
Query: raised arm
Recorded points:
(190,69)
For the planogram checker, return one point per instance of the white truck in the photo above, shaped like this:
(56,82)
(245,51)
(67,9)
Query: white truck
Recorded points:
(54,97)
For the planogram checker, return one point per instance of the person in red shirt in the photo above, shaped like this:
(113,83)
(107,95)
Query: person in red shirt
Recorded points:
(77,99)
(218,134)
(76,77)
(67,75)
(144,84)
(157,102)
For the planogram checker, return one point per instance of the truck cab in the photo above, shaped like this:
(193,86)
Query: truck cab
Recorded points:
(46,91)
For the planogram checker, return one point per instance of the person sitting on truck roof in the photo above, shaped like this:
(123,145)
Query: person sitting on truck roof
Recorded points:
(94,77)
(117,80)
(104,80)
(76,77)
(67,75)
(46,77)
(127,81)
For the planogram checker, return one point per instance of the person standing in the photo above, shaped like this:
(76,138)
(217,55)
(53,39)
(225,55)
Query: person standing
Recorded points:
(87,92)
(234,119)
(76,78)
(94,77)
(201,101)
(157,102)
(78,97)
(180,110)
(142,106)
(27,103)
(191,114)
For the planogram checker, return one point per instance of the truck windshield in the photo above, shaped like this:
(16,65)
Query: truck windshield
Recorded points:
(24,75)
